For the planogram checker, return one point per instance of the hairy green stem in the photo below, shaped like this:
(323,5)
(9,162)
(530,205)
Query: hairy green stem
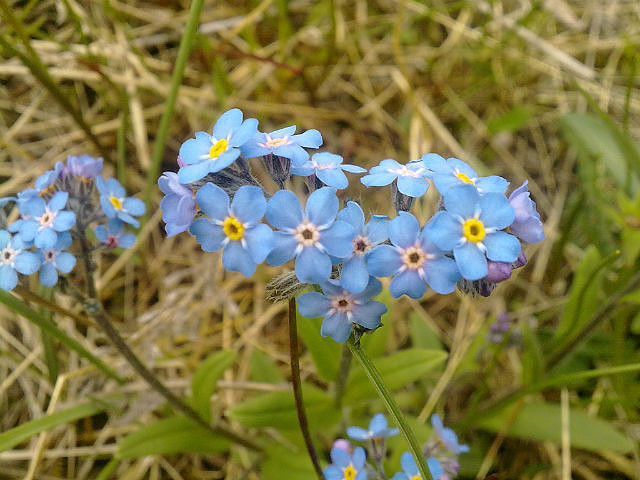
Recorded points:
(392,406)
(297,389)
(186,44)
(343,374)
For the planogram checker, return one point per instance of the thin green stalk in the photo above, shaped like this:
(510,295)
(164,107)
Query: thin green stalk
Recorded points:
(392,406)
(186,44)
(343,374)
(108,469)
(297,389)
(48,345)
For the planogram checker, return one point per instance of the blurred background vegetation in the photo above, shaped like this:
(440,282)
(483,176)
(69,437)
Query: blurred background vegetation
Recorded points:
(544,90)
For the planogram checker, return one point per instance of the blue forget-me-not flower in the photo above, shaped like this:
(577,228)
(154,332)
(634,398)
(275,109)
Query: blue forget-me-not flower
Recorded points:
(341,308)
(283,143)
(354,275)
(310,236)
(234,228)
(472,227)
(411,178)
(413,259)
(411,471)
(377,429)
(42,221)
(14,259)
(178,205)
(56,260)
(112,235)
(447,437)
(211,153)
(328,167)
(450,172)
(345,466)
(115,203)
(526,224)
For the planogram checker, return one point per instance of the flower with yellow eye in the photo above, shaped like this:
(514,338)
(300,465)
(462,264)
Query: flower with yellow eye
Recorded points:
(234,227)
(411,179)
(448,173)
(411,469)
(115,204)
(345,466)
(471,227)
(211,153)
(283,143)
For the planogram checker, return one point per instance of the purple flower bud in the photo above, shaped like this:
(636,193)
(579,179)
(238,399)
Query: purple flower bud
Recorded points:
(178,205)
(521,261)
(343,444)
(498,271)
(180,161)
(527,225)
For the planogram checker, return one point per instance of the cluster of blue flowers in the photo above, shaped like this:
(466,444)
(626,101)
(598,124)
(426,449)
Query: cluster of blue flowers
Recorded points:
(65,202)
(473,242)
(349,463)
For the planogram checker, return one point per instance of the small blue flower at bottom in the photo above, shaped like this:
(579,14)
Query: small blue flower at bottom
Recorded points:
(447,437)
(113,236)
(56,260)
(411,471)
(377,429)
(345,466)
(341,308)
(413,260)
(283,143)
(115,204)
(14,258)
(451,172)
(234,228)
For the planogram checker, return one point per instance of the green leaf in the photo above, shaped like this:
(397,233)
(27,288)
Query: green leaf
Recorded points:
(277,409)
(324,351)
(282,463)
(375,343)
(263,369)
(512,121)
(170,435)
(422,334)
(532,358)
(541,421)
(13,437)
(205,378)
(398,370)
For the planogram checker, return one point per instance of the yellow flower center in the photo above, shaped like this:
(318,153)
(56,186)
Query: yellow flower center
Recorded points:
(233,228)
(116,202)
(473,230)
(218,148)
(277,142)
(349,472)
(464,178)
(416,477)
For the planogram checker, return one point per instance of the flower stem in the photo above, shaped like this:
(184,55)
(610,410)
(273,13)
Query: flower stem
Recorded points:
(343,375)
(391,405)
(297,389)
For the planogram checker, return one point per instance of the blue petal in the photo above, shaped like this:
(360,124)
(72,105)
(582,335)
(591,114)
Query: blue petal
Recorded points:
(434,162)
(33,207)
(101,233)
(312,266)
(237,259)
(471,261)
(409,283)
(322,206)
(284,248)
(251,150)
(383,261)
(442,274)
(244,133)
(64,220)
(358,457)
(354,216)
(295,153)
(313,305)
(340,458)
(502,247)
(8,278)
(58,201)
(434,468)
(224,160)
(444,181)
(368,315)
(462,167)
(228,121)
(27,263)
(374,287)
(45,238)
(436,423)
(400,476)
(327,158)
(404,230)
(284,210)
(134,206)
(347,167)
(493,184)
(496,211)
(213,201)
(4,239)
(337,240)
(354,276)
(106,206)
(444,230)
(336,326)
(283,132)
(309,139)
(333,473)
(48,275)
(193,150)
(333,177)
(303,170)
(378,179)
(65,262)
(378,422)
(260,240)
(413,187)
(358,433)
(248,204)
(64,241)
(378,228)
(408,464)
(208,235)
(28,229)
(193,173)
(462,200)
(126,240)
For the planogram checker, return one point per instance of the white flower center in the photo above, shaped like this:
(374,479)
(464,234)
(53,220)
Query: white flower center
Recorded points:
(307,234)
(46,220)
(407,172)
(8,255)
(342,303)
(361,245)
(50,255)
(276,142)
(414,257)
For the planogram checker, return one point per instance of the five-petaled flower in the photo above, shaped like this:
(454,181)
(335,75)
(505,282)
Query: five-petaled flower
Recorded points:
(354,275)
(411,471)
(56,260)
(345,466)
(377,429)
(234,228)
(15,258)
(178,205)
(310,236)
(413,259)
(451,172)
(447,437)
(526,224)
(471,227)
(115,203)
(211,153)
(42,221)
(328,167)
(112,235)
(341,308)
(283,143)
(411,178)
